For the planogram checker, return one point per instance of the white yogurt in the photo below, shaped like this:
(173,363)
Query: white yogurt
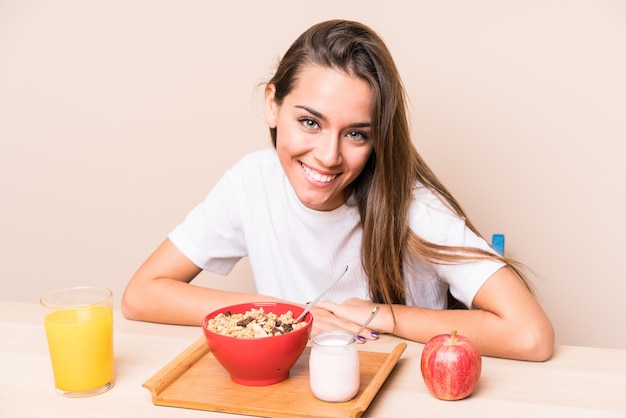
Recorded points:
(334,367)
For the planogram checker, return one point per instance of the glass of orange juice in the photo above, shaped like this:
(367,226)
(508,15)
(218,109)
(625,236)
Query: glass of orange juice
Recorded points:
(79,329)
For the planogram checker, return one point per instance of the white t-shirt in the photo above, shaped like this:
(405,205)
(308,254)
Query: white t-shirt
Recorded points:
(296,252)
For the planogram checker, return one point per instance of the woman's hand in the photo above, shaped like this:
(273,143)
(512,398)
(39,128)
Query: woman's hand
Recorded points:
(348,316)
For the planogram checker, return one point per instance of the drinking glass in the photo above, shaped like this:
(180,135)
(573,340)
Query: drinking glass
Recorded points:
(79,329)
(334,374)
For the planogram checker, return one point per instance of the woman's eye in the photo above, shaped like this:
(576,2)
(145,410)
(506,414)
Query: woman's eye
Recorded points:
(309,123)
(356,136)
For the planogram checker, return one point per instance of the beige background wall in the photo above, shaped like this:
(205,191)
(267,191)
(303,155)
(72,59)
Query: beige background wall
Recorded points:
(116,117)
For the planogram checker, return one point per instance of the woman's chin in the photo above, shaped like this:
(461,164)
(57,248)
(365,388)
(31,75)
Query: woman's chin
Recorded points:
(321,204)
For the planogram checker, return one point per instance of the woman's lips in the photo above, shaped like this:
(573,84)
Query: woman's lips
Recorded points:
(317,176)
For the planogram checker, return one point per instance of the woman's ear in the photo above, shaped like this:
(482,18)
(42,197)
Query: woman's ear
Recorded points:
(271,107)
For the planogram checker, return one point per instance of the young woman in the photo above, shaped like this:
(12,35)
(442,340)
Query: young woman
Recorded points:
(343,185)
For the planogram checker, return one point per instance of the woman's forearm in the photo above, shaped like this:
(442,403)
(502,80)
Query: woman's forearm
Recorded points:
(507,321)
(174,302)
(493,335)
(161,291)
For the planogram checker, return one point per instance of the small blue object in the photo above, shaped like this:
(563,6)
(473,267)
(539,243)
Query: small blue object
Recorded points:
(497,242)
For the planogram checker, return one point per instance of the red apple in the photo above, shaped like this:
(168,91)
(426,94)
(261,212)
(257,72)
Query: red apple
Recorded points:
(451,366)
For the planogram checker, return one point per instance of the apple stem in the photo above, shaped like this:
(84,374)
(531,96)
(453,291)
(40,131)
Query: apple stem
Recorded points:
(453,339)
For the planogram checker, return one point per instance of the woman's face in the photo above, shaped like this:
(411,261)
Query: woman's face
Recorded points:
(323,129)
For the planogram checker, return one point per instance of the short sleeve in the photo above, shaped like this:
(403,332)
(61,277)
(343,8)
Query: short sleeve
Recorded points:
(211,235)
(434,221)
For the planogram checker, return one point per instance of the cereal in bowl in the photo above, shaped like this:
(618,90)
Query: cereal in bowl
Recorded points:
(253,324)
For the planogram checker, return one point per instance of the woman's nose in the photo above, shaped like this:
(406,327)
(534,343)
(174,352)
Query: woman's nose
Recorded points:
(327,150)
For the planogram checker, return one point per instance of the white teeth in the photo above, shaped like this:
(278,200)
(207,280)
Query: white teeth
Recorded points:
(314,175)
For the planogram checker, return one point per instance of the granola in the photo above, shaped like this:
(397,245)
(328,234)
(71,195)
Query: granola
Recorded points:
(254,323)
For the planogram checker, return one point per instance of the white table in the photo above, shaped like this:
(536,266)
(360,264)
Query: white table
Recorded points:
(576,382)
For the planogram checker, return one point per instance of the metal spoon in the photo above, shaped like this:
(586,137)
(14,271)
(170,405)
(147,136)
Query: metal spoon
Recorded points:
(372,315)
(317,299)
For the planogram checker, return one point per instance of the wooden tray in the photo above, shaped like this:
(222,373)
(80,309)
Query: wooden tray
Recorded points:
(195,379)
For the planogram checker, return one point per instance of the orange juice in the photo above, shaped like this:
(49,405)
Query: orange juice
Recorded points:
(80,341)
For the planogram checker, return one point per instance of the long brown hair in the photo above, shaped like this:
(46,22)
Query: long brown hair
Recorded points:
(384,190)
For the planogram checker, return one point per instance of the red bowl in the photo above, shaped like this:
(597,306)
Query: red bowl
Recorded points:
(259,361)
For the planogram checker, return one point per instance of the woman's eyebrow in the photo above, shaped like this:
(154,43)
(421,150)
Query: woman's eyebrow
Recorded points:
(322,117)
(311,111)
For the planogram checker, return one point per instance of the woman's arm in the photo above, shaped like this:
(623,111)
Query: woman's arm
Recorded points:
(507,322)
(160,291)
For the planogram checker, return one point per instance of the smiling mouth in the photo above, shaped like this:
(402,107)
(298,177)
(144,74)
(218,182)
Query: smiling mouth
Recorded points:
(315,176)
